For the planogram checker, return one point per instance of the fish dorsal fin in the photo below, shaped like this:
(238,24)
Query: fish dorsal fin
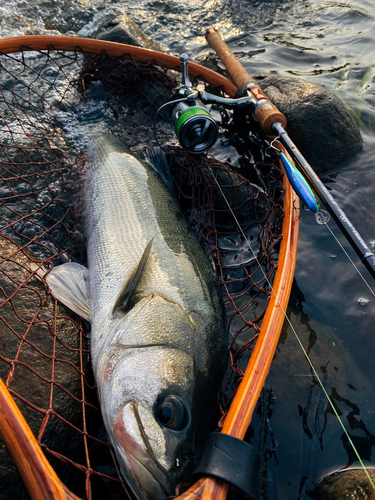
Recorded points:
(156,157)
(69,284)
(124,300)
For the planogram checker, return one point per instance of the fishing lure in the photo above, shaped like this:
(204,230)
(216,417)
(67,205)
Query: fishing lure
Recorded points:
(299,184)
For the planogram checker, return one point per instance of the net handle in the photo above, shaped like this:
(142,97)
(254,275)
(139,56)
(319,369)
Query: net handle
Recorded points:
(38,476)
(240,413)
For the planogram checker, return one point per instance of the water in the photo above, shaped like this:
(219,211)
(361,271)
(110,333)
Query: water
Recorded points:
(329,42)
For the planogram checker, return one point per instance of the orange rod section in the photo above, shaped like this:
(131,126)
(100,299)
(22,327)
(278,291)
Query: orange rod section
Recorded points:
(206,488)
(114,49)
(37,474)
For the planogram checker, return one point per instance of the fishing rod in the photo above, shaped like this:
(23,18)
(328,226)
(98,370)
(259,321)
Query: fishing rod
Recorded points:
(273,123)
(270,122)
(197,132)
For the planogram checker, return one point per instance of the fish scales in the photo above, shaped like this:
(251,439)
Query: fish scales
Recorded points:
(122,217)
(158,342)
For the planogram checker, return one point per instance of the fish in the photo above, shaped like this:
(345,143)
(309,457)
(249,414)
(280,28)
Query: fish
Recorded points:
(158,334)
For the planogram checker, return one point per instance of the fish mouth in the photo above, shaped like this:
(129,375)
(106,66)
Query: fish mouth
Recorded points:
(148,479)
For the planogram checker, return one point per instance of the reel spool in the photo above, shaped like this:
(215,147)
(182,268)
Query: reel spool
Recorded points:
(195,128)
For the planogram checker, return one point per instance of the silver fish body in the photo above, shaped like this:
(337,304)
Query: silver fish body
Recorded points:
(158,342)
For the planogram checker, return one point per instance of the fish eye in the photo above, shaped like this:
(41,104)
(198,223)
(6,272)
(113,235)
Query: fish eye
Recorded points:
(172,413)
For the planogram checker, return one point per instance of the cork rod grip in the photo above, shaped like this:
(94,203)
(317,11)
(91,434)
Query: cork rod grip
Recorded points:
(267,113)
(237,72)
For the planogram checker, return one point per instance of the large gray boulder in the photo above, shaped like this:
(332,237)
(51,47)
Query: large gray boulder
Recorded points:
(318,121)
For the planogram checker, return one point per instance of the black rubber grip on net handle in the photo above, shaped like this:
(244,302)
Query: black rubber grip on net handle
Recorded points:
(229,459)
(339,216)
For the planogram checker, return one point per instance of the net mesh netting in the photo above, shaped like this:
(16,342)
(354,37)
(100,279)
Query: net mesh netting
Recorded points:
(44,352)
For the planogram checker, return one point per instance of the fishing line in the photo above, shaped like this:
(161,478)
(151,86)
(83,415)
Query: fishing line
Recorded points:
(346,253)
(296,335)
(169,103)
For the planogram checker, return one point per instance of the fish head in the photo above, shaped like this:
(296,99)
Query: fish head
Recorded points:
(152,456)
(157,402)
(157,432)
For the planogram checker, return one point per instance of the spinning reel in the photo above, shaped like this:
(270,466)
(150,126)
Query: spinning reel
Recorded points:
(197,131)
(195,128)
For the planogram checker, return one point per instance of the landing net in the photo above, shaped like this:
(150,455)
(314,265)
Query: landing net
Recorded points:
(44,351)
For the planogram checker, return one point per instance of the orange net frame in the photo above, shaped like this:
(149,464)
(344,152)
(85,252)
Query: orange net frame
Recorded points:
(44,351)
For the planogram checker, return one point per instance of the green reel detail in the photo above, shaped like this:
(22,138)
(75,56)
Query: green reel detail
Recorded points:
(185,115)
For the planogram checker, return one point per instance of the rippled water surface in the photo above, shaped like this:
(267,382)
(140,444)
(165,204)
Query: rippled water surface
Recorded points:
(332,309)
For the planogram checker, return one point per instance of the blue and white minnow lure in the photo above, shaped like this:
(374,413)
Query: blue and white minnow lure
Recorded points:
(299,184)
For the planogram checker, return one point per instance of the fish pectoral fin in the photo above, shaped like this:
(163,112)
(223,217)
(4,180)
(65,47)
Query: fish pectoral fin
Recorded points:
(124,300)
(69,284)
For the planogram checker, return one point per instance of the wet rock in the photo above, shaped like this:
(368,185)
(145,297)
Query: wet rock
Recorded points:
(318,121)
(122,29)
(31,336)
(346,484)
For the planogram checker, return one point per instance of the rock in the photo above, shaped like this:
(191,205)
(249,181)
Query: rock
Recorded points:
(122,29)
(318,121)
(27,313)
(346,484)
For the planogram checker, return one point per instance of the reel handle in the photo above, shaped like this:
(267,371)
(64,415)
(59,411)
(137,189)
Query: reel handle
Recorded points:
(265,112)
(185,82)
